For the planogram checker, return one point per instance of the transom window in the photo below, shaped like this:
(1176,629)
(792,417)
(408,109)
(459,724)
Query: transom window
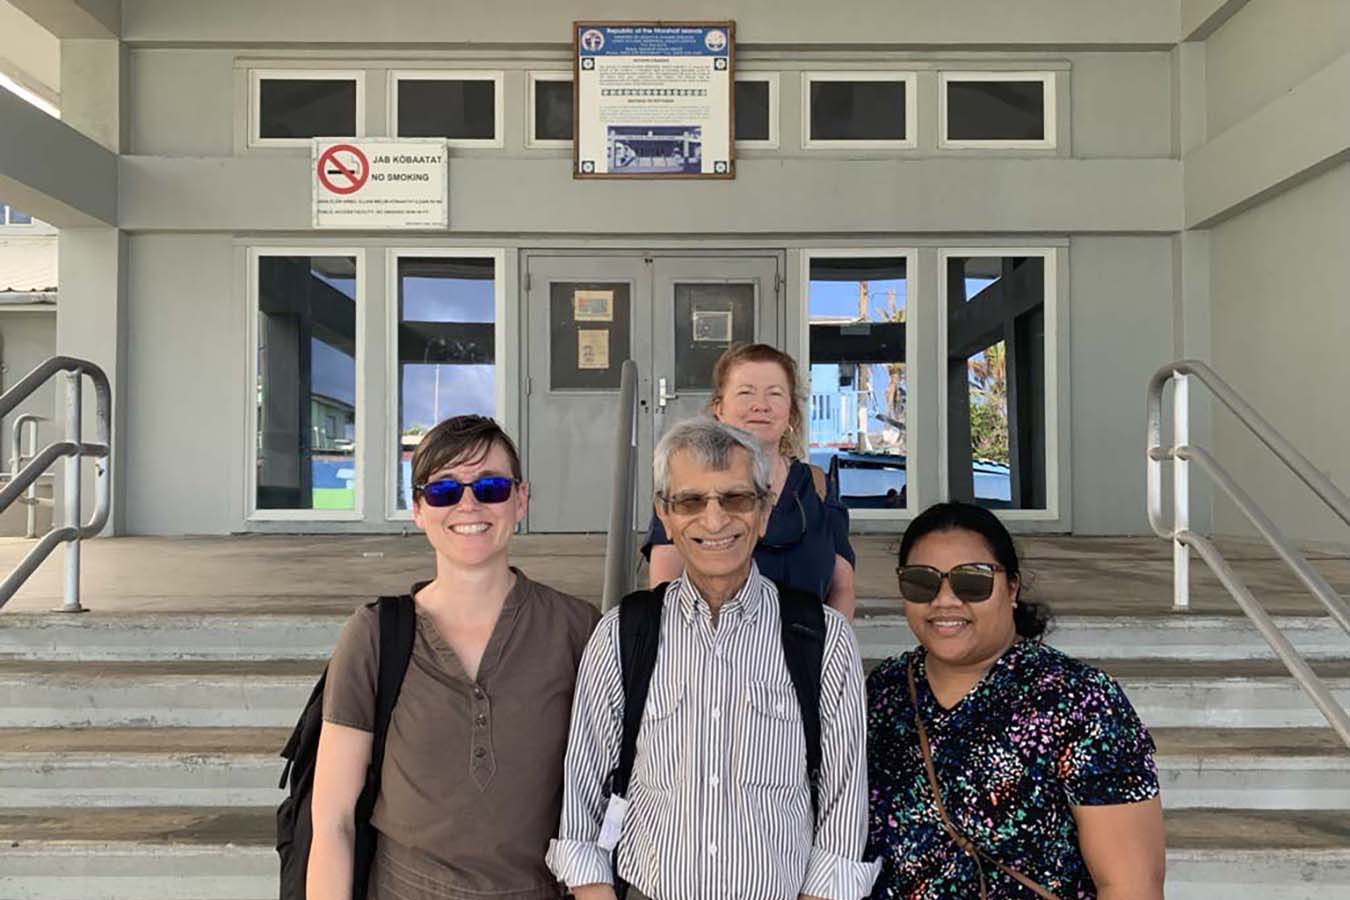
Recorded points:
(290,107)
(858,109)
(997,109)
(11,216)
(550,110)
(463,107)
(757,109)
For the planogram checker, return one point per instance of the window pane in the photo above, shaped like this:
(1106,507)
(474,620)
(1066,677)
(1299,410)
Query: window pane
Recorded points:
(996,381)
(995,111)
(306,391)
(553,110)
(752,110)
(709,318)
(857,110)
(857,409)
(16,217)
(306,107)
(446,348)
(457,108)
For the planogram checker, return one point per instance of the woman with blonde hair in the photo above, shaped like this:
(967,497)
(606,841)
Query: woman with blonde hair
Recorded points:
(756,388)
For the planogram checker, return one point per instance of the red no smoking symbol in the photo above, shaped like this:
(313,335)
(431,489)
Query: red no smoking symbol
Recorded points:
(343,169)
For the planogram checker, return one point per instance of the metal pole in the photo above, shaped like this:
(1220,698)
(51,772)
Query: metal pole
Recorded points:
(1181,492)
(72,493)
(31,493)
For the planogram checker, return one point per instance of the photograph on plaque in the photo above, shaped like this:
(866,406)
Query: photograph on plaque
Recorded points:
(593,306)
(592,348)
(712,326)
(654,100)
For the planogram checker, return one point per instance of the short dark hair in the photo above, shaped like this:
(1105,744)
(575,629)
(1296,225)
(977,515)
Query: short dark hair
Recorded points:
(464,439)
(1032,619)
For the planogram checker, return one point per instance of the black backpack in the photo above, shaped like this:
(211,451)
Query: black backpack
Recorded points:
(802,617)
(295,828)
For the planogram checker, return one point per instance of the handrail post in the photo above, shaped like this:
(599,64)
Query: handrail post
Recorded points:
(1181,493)
(74,384)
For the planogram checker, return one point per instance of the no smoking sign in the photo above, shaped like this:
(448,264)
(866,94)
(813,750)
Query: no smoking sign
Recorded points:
(380,183)
(343,169)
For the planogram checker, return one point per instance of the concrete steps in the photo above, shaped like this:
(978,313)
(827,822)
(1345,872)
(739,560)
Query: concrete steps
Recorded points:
(203,853)
(1272,769)
(138,752)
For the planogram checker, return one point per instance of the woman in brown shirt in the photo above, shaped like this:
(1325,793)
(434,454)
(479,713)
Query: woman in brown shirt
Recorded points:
(472,778)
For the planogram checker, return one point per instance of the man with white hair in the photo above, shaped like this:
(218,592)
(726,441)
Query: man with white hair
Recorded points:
(735,706)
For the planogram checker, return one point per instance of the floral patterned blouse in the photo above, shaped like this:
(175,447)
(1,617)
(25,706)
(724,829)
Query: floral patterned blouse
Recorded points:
(1039,733)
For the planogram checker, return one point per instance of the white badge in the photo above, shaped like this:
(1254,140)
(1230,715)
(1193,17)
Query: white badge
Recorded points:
(613,824)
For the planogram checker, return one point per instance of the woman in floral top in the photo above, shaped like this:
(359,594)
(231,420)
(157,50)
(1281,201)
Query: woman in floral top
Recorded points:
(1045,773)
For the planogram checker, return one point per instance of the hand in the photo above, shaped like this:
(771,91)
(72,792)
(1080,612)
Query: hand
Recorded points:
(594,892)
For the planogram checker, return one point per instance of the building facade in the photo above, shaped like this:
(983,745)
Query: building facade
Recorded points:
(979,230)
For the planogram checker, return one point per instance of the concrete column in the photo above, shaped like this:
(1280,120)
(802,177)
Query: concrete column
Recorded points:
(92,311)
(925,369)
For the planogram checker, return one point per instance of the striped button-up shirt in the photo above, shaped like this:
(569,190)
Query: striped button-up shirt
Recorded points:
(719,806)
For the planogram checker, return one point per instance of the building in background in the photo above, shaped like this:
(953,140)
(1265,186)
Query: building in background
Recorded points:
(979,232)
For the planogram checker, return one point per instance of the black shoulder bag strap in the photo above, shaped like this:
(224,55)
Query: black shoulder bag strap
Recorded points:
(803,624)
(639,640)
(398,627)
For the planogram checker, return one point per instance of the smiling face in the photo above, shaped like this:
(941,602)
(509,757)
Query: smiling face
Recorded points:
(756,397)
(471,534)
(957,633)
(715,545)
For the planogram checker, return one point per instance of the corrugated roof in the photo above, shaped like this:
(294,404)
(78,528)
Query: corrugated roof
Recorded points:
(28,265)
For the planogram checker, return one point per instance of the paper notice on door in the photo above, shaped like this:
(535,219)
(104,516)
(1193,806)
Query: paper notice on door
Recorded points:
(593,306)
(592,348)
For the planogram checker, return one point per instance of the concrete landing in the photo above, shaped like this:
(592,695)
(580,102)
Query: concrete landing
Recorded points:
(333,573)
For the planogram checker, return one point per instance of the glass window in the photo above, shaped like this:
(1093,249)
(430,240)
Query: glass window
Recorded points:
(752,111)
(995,110)
(446,348)
(709,318)
(306,390)
(454,108)
(996,381)
(11,216)
(306,107)
(857,110)
(856,412)
(552,110)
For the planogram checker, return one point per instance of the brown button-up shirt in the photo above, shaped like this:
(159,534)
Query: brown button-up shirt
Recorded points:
(472,779)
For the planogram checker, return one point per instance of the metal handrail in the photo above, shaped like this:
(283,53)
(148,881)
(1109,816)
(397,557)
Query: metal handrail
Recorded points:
(619,544)
(28,422)
(73,449)
(1181,454)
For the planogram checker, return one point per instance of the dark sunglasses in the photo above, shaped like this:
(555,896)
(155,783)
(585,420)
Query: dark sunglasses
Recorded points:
(736,502)
(448,492)
(971,582)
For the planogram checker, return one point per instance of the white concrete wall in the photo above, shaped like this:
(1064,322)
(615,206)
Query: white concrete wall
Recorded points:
(1278,76)
(1282,337)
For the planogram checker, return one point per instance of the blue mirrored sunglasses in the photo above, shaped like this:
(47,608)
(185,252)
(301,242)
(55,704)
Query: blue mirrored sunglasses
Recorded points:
(448,492)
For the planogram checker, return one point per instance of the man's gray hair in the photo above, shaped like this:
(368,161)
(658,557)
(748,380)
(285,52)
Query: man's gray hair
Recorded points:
(711,443)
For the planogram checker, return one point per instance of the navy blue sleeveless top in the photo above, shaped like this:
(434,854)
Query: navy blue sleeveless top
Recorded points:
(805,534)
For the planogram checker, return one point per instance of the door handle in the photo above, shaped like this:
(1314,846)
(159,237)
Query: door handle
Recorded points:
(663,398)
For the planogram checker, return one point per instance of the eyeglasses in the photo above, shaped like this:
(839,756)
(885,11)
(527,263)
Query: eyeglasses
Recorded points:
(448,492)
(736,502)
(971,582)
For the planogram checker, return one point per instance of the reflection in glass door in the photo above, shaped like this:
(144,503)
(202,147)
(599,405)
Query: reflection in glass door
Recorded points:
(857,410)
(996,381)
(446,362)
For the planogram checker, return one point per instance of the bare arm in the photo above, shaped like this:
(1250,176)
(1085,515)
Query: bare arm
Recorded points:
(842,596)
(1123,847)
(594,892)
(339,775)
(665,564)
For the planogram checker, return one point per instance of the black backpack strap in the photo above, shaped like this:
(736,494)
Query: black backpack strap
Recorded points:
(639,640)
(803,630)
(398,629)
